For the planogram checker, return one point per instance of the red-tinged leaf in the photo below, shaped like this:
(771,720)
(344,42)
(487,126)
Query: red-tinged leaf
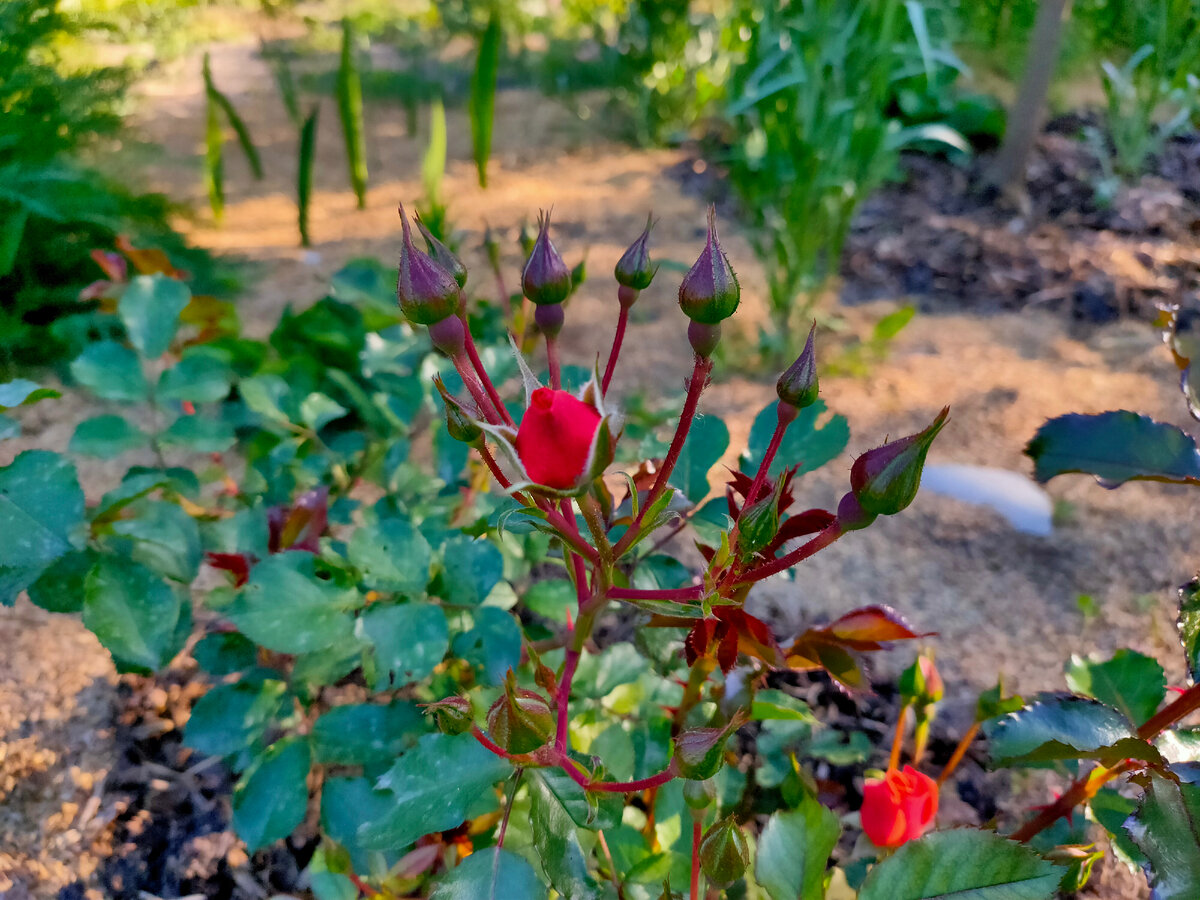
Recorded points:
(236,563)
(727,650)
(808,522)
(102,291)
(695,645)
(837,661)
(112,264)
(418,861)
(871,625)
(300,526)
(754,636)
(149,262)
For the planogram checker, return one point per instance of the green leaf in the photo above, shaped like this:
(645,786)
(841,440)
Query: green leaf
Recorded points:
(199,434)
(1111,810)
(805,443)
(150,306)
(232,718)
(106,437)
(239,127)
(304,173)
(214,140)
(590,810)
(962,864)
(706,442)
(772,703)
(1130,682)
(471,568)
(166,539)
(392,555)
(366,282)
(494,644)
(61,587)
(366,734)
(350,109)
(22,392)
(111,372)
(482,105)
(1065,727)
(271,798)
(432,787)
(11,233)
(133,612)
(225,652)
(1189,626)
(1166,828)
(286,608)
(317,410)
(41,509)
(794,849)
(557,844)
(199,377)
(491,874)
(1115,447)
(553,598)
(409,641)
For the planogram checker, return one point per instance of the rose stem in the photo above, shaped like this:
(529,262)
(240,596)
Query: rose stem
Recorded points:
(463,366)
(823,539)
(477,364)
(898,739)
(552,363)
(959,752)
(765,466)
(618,339)
(696,860)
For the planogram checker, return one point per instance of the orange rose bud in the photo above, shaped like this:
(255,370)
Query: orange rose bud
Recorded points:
(898,808)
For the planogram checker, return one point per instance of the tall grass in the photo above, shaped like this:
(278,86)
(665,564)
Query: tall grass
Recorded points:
(350,109)
(483,96)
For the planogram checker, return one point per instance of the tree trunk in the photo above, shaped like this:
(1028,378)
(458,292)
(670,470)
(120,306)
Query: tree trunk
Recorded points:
(1007,171)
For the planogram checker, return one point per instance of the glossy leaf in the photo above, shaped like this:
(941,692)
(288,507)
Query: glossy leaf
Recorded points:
(962,863)
(706,443)
(149,308)
(409,642)
(366,733)
(1115,447)
(232,718)
(110,371)
(1130,682)
(1065,727)
(482,105)
(1189,626)
(491,874)
(392,555)
(316,611)
(135,614)
(432,787)
(60,588)
(106,437)
(794,849)
(271,798)
(1166,829)
(471,568)
(806,443)
(199,434)
(557,844)
(493,644)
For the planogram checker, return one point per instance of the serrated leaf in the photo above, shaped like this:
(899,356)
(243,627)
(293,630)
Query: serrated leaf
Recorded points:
(199,434)
(960,864)
(366,734)
(106,437)
(133,612)
(557,844)
(587,810)
(409,642)
(1114,446)
(805,443)
(1130,682)
(149,308)
(794,849)
(1165,829)
(771,703)
(432,787)
(1065,727)
(165,538)
(392,555)
(271,798)
(491,874)
(553,598)
(41,509)
(231,718)
(493,644)
(706,443)
(199,377)
(286,608)
(60,588)
(111,372)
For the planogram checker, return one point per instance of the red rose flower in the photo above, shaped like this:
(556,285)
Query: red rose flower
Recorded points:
(899,807)
(555,437)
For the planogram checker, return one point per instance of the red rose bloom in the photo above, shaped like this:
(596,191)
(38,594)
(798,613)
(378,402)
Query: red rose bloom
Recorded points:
(555,437)
(898,808)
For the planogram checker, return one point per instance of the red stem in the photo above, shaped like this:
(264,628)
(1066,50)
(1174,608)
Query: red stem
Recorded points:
(618,339)
(552,362)
(820,542)
(765,466)
(696,860)
(477,364)
(463,366)
(564,696)
(493,466)
(688,593)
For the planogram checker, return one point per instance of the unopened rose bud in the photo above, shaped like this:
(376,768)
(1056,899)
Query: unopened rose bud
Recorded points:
(426,291)
(699,794)
(449,335)
(885,480)
(724,853)
(520,721)
(700,752)
(634,270)
(554,440)
(443,255)
(453,715)
(921,684)
(549,319)
(709,292)
(460,427)
(704,338)
(545,278)
(850,514)
(797,387)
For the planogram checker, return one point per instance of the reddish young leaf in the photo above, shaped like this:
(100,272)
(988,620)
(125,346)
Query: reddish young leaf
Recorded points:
(236,563)
(866,628)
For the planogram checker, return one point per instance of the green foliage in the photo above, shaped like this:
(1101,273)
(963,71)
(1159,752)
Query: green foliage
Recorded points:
(1164,828)
(809,443)
(433,169)
(1130,682)
(1066,727)
(483,95)
(304,175)
(350,109)
(793,849)
(1115,447)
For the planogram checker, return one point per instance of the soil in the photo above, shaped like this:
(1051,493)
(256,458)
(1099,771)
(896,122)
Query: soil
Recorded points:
(78,780)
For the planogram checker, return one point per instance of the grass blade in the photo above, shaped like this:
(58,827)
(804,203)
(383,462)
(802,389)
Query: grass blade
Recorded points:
(239,127)
(10,237)
(433,168)
(350,108)
(280,68)
(483,96)
(308,153)
(214,163)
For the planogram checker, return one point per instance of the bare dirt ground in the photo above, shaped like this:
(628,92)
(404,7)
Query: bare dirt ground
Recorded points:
(1003,603)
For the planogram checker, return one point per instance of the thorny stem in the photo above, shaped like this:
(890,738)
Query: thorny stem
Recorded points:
(959,752)
(699,379)
(1085,788)
(594,516)
(485,379)
(564,695)
(612,866)
(688,593)
(898,739)
(765,466)
(823,539)
(552,363)
(463,366)
(493,467)
(695,893)
(618,339)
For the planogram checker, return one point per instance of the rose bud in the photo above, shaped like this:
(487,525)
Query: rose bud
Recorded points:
(554,439)
(758,524)
(520,721)
(700,752)
(921,684)
(709,292)
(885,480)
(453,715)
(797,387)
(899,807)
(449,335)
(724,854)
(443,255)
(460,426)
(634,272)
(549,319)
(545,278)
(850,514)
(427,292)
